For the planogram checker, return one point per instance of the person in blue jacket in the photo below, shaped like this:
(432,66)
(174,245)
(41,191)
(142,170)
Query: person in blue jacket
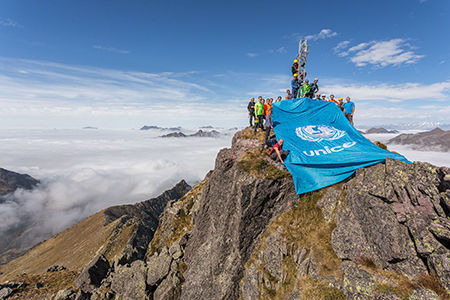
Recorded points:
(295,85)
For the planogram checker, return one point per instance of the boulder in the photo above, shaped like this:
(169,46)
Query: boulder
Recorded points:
(65,295)
(130,282)
(169,289)
(92,276)
(158,267)
(5,292)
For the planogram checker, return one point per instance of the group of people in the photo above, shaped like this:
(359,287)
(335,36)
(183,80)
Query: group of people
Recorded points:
(260,112)
(305,89)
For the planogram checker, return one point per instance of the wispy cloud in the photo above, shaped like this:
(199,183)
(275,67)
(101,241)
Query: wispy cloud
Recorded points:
(380,54)
(442,62)
(282,50)
(341,46)
(323,34)
(252,54)
(112,49)
(394,93)
(9,22)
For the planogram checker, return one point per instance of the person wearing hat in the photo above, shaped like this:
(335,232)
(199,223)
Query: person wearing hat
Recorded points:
(324,98)
(341,104)
(294,68)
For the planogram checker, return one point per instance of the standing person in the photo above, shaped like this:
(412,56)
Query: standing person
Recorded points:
(277,153)
(341,104)
(314,88)
(318,98)
(288,95)
(349,110)
(251,110)
(332,99)
(295,85)
(269,125)
(306,88)
(259,108)
(324,98)
(294,68)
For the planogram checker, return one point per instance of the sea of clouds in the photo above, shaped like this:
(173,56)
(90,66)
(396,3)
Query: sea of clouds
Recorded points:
(83,171)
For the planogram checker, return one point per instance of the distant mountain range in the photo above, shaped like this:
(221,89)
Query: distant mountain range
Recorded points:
(145,127)
(199,133)
(379,130)
(433,140)
(413,126)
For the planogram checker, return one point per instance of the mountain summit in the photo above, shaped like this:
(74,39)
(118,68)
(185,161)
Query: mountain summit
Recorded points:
(243,233)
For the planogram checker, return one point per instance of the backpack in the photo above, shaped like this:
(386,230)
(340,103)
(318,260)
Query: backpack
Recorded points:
(271,142)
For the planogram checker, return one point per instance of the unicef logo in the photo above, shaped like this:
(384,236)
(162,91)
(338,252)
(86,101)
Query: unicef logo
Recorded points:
(317,133)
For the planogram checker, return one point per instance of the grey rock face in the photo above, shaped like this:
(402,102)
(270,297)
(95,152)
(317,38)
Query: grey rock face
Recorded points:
(424,294)
(92,276)
(234,210)
(158,267)
(130,282)
(388,217)
(250,287)
(273,254)
(169,289)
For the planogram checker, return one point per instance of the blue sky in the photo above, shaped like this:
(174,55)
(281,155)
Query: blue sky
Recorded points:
(192,63)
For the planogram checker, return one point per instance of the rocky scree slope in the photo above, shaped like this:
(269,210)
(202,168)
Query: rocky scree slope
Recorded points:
(382,234)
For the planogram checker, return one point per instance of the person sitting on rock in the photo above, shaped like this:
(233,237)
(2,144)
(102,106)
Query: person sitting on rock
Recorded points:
(277,153)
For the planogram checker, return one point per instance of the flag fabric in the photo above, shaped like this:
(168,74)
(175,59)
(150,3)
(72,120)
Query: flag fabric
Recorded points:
(324,147)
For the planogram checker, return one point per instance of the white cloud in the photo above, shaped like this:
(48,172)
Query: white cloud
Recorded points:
(394,93)
(341,46)
(382,53)
(282,50)
(85,171)
(252,54)
(111,49)
(323,34)
(9,22)
(442,62)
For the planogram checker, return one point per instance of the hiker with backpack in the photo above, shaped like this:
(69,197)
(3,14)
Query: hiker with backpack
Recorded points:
(259,108)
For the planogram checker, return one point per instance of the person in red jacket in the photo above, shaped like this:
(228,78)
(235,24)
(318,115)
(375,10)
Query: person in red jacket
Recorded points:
(277,153)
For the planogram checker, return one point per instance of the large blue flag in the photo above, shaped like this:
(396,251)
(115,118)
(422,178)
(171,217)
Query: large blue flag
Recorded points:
(324,147)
